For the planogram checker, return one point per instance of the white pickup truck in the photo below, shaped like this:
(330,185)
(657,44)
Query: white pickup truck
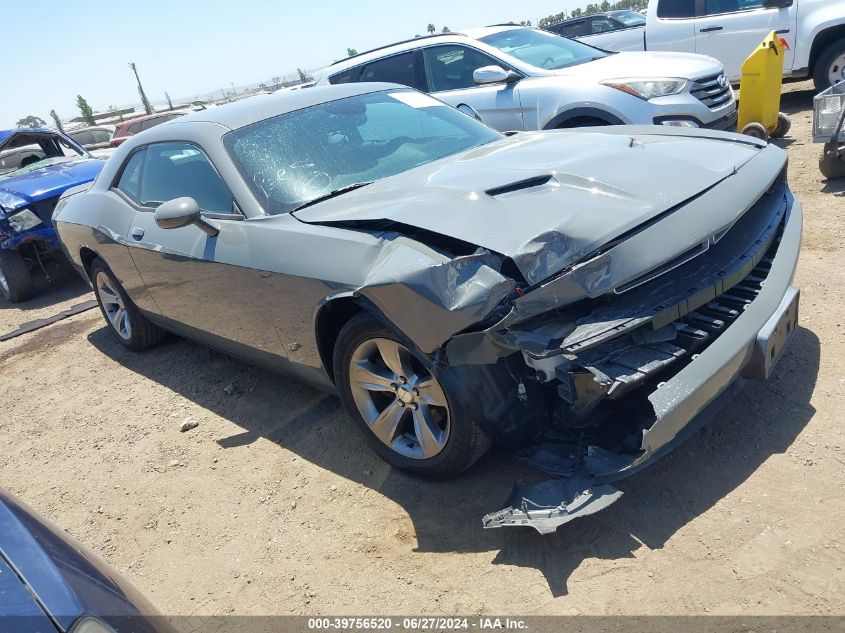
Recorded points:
(729,30)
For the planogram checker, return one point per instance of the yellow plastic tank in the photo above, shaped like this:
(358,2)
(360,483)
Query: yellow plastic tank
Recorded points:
(759,91)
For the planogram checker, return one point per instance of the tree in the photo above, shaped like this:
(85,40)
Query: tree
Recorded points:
(277,80)
(56,120)
(169,102)
(303,76)
(576,13)
(31,121)
(552,19)
(144,101)
(445,29)
(605,5)
(351,52)
(86,110)
(431,28)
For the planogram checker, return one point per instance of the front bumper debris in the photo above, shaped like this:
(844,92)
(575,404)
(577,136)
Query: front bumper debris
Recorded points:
(549,504)
(747,346)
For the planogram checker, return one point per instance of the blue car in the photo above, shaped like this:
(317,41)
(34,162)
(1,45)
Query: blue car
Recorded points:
(51,584)
(37,165)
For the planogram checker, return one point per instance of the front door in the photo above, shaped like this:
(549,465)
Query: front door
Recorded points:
(203,284)
(730,30)
(449,75)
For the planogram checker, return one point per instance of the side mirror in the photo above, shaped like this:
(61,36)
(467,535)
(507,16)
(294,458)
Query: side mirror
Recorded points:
(179,212)
(493,75)
(469,111)
(777,4)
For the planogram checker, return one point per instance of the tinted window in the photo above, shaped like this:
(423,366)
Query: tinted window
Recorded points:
(293,158)
(715,7)
(174,170)
(134,128)
(676,9)
(85,137)
(130,178)
(346,76)
(101,136)
(600,25)
(451,67)
(575,29)
(398,69)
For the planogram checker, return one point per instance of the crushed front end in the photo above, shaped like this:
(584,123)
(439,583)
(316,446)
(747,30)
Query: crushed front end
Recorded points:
(623,355)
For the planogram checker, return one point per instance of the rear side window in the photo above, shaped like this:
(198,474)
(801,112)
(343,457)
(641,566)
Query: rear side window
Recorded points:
(676,9)
(575,29)
(398,69)
(130,179)
(174,170)
(86,137)
(347,76)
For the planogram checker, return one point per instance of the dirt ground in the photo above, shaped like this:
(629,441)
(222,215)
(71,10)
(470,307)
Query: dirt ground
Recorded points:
(273,505)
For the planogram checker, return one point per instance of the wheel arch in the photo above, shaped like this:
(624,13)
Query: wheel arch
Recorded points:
(87,256)
(562,118)
(330,319)
(822,40)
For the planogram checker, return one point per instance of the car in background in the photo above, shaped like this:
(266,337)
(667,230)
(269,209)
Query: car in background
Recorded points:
(519,78)
(50,583)
(584,294)
(730,30)
(94,137)
(619,29)
(37,165)
(127,129)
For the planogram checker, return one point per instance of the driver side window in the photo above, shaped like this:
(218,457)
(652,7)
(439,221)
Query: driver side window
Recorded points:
(164,171)
(451,67)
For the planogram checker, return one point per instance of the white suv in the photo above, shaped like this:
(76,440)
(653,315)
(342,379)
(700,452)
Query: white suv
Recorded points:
(519,78)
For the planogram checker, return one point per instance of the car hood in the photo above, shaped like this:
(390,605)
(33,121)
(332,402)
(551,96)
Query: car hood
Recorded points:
(643,64)
(20,190)
(546,200)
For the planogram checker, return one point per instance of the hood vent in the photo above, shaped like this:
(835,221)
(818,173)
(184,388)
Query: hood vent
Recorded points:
(519,185)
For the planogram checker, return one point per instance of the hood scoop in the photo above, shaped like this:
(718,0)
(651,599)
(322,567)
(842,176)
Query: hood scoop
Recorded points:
(520,185)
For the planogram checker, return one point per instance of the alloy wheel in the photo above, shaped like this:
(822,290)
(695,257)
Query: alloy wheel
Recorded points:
(113,306)
(401,402)
(836,70)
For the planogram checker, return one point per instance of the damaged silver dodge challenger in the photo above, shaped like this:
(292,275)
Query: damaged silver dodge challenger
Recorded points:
(586,297)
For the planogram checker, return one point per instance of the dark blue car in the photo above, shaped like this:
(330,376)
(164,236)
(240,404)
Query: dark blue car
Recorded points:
(51,584)
(37,165)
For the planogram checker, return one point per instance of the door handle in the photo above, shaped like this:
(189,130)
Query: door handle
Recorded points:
(710,29)
(137,232)
(782,31)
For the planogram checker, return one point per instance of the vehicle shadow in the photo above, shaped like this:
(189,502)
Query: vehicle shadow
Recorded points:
(763,420)
(63,287)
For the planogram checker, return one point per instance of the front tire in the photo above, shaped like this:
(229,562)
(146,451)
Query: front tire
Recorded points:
(124,319)
(830,66)
(403,411)
(15,280)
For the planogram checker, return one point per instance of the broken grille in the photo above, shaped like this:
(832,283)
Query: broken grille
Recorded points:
(714,92)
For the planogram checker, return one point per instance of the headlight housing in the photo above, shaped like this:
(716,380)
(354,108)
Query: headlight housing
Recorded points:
(23,220)
(647,89)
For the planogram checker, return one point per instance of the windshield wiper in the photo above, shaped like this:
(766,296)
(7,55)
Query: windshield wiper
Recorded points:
(333,194)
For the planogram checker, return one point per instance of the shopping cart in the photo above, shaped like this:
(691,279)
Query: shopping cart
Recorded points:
(829,128)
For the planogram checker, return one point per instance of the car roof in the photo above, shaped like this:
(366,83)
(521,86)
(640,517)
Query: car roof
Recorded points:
(452,37)
(6,134)
(246,111)
(601,14)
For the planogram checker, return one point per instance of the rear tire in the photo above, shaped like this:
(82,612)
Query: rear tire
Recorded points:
(405,414)
(15,280)
(784,125)
(124,319)
(830,66)
(756,130)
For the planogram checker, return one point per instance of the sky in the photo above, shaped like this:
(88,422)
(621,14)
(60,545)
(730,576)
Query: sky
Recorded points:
(56,50)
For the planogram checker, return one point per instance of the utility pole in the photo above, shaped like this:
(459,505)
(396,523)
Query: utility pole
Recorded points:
(144,101)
